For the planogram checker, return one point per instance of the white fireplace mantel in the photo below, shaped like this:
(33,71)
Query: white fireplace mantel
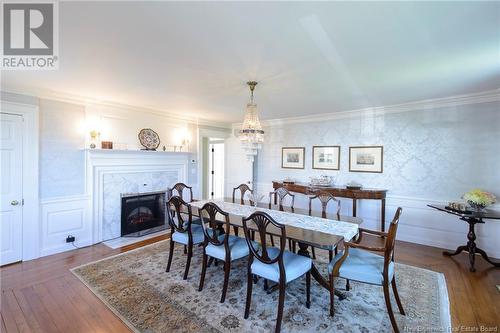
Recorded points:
(112,172)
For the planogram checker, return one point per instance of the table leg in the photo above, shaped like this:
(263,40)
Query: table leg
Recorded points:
(382,220)
(485,257)
(354,202)
(471,246)
(316,274)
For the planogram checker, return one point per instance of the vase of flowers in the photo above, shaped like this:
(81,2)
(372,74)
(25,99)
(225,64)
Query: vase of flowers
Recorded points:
(479,199)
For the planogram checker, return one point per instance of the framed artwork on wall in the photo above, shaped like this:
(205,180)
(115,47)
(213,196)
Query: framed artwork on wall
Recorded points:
(326,157)
(292,157)
(366,159)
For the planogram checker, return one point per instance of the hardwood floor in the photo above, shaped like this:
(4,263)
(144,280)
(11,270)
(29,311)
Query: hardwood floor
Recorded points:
(43,295)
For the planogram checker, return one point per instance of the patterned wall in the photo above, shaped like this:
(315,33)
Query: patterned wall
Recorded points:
(429,154)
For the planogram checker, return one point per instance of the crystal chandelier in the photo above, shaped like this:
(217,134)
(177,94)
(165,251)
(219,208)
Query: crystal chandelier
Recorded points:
(251,133)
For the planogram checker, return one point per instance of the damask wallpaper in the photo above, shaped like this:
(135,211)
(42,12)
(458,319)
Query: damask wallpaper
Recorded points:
(430,154)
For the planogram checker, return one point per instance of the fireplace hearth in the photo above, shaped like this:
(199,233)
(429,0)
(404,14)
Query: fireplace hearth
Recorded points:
(142,213)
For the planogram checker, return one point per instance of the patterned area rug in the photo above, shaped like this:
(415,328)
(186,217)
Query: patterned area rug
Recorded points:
(135,286)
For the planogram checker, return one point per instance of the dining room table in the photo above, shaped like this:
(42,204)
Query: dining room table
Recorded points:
(307,229)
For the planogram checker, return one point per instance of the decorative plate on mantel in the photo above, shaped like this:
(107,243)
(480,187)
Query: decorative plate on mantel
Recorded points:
(149,139)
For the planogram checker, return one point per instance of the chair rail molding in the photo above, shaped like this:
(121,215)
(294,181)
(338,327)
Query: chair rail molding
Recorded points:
(419,224)
(101,165)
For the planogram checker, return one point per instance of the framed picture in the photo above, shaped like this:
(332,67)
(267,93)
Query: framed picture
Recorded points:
(292,157)
(326,157)
(366,159)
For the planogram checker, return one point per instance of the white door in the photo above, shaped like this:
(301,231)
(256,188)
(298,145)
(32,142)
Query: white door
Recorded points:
(216,170)
(238,169)
(11,214)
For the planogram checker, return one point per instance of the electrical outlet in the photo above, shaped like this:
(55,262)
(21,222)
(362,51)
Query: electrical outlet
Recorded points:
(70,239)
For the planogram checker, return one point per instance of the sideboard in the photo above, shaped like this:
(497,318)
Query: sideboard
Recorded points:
(343,192)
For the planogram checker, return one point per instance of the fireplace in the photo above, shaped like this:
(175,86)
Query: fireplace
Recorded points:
(143,213)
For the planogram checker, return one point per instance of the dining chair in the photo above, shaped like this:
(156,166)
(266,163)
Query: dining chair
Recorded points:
(324,198)
(224,247)
(243,188)
(281,193)
(182,232)
(179,188)
(356,263)
(273,264)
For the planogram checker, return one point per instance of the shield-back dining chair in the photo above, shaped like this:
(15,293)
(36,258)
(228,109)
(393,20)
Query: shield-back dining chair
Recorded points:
(178,189)
(324,198)
(182,231)
(273,264)
(224,247)
(243,189)
(281,194)
(358,264)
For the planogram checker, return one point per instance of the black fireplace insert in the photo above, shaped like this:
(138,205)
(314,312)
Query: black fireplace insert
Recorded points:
(143,213)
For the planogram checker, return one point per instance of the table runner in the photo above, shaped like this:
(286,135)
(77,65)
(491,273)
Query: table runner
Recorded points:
(339,228)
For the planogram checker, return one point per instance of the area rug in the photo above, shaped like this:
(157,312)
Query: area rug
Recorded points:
(135,286)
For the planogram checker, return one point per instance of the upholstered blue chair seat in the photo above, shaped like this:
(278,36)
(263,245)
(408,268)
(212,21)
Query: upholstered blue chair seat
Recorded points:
(237,246)
(295,266)
(182,237)
(362,266)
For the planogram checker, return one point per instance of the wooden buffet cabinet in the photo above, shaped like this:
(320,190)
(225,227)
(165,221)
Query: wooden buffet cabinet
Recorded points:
(337,191)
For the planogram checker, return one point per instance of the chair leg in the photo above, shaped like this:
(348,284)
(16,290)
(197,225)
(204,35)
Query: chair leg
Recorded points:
(396,296)
(188,263)
(249,295)
(266,286)
(313,251)
(308,289)
(281,304)
(332,295)
(203,271)
(347,285)
(185,249)
(227,269)
(170,254)
(235,229)
(389,306)
(330,256)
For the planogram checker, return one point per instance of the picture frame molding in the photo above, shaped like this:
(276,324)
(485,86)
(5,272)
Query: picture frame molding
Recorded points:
(381,158)
(338,157)
(303,157)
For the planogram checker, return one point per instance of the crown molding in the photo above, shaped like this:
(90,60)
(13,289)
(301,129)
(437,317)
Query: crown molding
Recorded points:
(86,101)
(452,101)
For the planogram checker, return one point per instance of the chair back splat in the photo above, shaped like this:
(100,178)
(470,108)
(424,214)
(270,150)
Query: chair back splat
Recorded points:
(179,189)
(324,198)
(208,215)
(243,188)
(260,222)
(175,218)
(281,193)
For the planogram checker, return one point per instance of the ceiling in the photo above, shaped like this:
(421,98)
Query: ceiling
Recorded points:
(194,58)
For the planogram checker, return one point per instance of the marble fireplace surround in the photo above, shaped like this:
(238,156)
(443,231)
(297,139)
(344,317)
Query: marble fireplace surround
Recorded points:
(111,173)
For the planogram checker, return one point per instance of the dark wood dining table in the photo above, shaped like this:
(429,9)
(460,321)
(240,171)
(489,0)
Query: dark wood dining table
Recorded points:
(304,236)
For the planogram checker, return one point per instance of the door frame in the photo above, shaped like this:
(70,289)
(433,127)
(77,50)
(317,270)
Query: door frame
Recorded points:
(207,132)
(31,207)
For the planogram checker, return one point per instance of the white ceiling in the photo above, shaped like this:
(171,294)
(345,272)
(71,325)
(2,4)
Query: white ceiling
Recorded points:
(194,58)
